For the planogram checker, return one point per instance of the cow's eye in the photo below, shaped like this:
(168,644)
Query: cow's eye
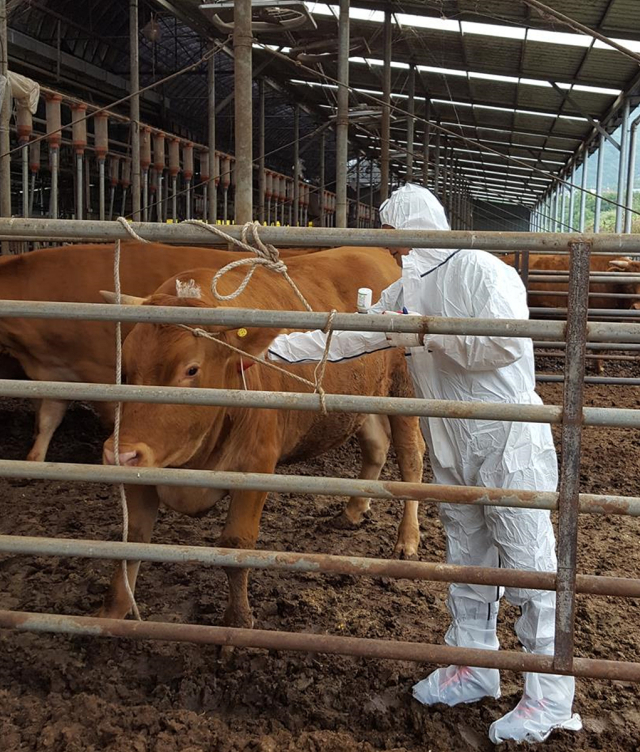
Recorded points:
(192,370)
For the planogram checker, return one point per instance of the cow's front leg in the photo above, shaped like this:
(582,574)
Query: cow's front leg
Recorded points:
(142,503)
(241,531)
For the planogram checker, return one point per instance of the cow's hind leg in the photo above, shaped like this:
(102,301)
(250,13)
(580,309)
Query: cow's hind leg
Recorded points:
(374,438)
(241,531)
(142,503)
(409,447)
(49,415)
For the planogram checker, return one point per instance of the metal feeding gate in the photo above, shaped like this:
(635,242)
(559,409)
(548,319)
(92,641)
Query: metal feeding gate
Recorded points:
(572,416)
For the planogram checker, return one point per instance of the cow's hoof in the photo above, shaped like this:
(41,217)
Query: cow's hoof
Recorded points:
(405,552)
(343,521)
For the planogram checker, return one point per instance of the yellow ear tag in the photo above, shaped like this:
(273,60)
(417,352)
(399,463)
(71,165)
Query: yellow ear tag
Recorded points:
(242,332)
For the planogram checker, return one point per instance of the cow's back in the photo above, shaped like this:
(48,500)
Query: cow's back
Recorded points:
(82,350)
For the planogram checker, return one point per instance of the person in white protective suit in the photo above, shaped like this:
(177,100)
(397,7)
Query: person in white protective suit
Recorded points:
(491,453)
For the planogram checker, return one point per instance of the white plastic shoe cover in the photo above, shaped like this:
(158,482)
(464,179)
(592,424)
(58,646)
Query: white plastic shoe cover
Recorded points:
(545,706)
(457,684)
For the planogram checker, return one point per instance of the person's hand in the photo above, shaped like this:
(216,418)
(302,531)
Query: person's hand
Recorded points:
(404,339)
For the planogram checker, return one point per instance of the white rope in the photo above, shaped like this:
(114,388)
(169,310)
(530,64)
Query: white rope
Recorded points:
(116,427)
(265,255)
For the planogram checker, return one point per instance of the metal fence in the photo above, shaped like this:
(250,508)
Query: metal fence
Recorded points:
(571,415)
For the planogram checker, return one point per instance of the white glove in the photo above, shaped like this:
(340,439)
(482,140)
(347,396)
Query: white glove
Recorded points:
(404,339)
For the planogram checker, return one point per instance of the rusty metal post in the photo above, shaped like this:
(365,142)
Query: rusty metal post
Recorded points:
(212,198)
(134,113)
(568,499)
(411,109)
(342,120)
(243,110)
(262,187)
(385,132)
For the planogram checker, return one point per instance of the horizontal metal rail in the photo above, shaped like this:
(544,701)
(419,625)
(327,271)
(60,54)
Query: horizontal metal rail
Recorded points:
(593,313)
(290,561)
(277,483)
(559,345)
(564,293)
(247,317)
(344,403)
(554,378)
(72,229)
(612,278)
(421,652)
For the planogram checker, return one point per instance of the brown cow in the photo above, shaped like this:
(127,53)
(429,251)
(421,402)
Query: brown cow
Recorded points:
(560,263)
(629,266)
(59,350)
(253,440)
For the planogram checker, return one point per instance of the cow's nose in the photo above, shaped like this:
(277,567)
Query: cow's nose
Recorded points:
(636,305)
(136,455)
(126,458)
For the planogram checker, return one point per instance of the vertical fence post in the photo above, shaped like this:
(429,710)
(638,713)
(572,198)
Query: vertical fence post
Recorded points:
(576,335)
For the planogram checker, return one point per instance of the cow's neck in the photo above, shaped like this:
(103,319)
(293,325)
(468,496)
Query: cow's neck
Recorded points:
(245,440)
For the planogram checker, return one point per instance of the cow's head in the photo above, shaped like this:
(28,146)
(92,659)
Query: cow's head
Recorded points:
(628,266)
(163,435)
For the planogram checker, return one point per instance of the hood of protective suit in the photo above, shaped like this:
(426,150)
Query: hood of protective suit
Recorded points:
(413,207)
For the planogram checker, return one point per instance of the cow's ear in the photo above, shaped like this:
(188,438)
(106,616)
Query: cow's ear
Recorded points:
(254,340)
(110,297)
(617,264)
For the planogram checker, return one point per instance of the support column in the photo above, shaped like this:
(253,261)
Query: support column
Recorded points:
(5,114)
(599,171)
(323,207)
(631,174)
(134,112)
(243,110)
(572,201)
(262,177)
(342,120)
(622,165)
(212,198)
(357,212)
(426,142)
(411,109)
(583,192)
(436,166)
(385,131)
(295,217)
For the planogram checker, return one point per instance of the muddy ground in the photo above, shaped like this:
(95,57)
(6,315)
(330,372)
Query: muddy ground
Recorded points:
(79,695)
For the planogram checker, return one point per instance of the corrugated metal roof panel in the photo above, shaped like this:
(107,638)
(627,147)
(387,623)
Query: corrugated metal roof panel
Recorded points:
(493,54)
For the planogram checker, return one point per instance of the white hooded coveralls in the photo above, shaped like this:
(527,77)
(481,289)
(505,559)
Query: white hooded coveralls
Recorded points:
(467,283)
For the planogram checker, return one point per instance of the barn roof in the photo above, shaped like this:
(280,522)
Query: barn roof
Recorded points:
(497,73)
